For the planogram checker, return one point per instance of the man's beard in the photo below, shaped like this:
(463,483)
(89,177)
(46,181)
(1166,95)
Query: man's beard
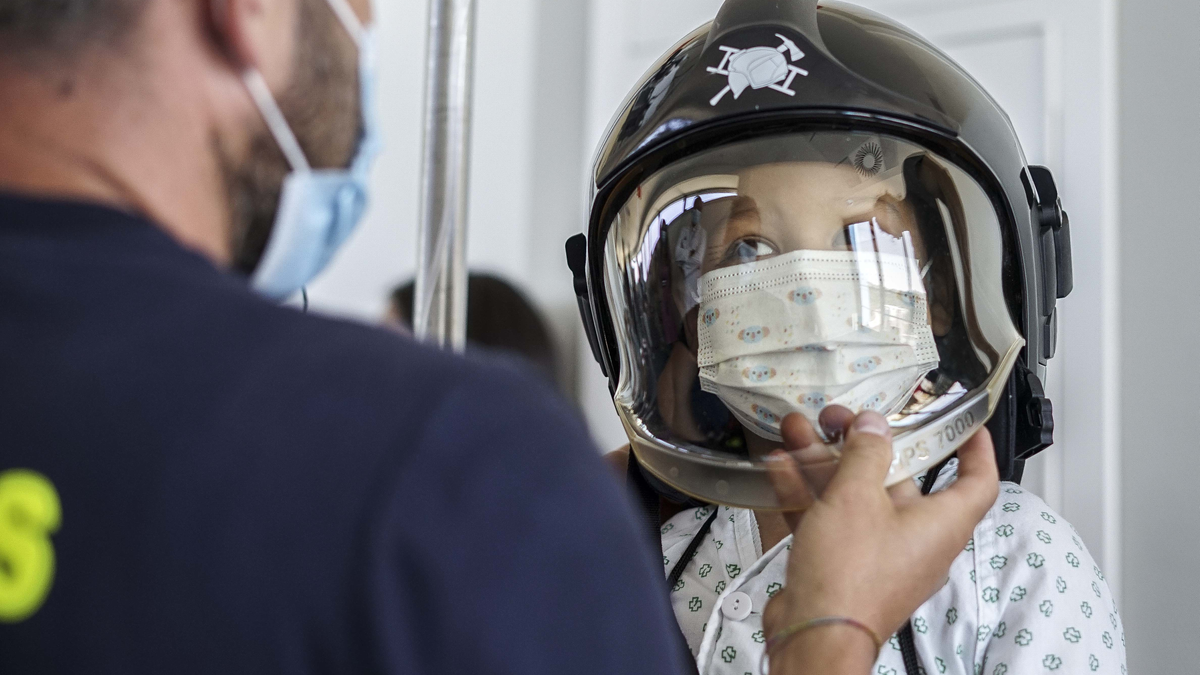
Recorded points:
(321,104)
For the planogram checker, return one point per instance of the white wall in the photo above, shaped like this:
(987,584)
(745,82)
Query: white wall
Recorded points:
(1160,282)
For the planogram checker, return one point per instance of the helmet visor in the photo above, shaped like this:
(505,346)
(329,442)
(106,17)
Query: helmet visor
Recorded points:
(791,273)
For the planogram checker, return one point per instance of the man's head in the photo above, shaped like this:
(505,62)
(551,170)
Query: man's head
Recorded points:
(142,103)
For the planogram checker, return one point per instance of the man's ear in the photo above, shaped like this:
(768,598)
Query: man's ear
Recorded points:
(226,33)
(256,34)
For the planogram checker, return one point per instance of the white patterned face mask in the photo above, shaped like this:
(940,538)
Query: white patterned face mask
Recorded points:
(808,329)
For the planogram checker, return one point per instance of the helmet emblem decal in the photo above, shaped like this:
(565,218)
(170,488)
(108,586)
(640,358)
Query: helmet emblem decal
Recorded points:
(759,68)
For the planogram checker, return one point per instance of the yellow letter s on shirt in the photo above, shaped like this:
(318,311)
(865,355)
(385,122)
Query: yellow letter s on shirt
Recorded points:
(29,513)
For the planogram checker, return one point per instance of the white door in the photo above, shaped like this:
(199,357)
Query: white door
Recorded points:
(1051,66)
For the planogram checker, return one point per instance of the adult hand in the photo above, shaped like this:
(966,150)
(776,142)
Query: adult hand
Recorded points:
(861,551)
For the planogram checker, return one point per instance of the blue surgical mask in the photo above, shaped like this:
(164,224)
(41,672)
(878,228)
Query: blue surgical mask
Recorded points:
(318,208)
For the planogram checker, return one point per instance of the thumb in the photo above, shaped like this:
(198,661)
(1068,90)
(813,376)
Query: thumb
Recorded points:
(866,454)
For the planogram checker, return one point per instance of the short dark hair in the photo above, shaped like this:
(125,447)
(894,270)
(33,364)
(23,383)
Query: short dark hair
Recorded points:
(499,317)
(64,27)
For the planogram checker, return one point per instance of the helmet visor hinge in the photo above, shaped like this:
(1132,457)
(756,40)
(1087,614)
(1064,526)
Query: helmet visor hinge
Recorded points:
(577,261)
(1035,415)
(1053,231)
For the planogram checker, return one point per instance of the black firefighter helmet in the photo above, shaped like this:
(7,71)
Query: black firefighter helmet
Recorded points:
(804,205)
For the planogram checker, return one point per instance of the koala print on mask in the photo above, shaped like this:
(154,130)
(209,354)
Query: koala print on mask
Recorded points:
(765,415)
(754,334)
(815,400)
(710,316)
(866,365)
(759,374)
(804,296)
(875,402)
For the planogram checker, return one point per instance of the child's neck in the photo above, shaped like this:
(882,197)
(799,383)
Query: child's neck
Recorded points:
(772,528)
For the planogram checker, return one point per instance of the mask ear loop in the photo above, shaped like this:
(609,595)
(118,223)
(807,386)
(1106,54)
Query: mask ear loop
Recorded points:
(349,19)
(269,108)
(276,122)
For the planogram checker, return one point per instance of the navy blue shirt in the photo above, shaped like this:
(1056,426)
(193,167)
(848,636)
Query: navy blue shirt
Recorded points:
(247,489)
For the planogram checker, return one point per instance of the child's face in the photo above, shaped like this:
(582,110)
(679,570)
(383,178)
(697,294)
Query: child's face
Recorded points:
(811,206)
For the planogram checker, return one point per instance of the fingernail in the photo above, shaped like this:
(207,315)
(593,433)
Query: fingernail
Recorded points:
(873,423)
(776,457)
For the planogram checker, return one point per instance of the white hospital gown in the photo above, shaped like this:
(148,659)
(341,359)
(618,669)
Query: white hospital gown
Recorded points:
(1024,597)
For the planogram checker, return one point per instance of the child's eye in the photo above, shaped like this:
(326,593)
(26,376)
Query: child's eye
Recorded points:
(748,250)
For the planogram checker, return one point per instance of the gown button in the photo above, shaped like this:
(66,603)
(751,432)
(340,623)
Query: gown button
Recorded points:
(737,606)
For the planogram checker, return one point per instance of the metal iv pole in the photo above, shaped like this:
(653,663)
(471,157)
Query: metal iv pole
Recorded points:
(440,298)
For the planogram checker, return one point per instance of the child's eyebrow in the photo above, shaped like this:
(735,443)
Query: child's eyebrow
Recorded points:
(740,213)
(741,207)
(743,204)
